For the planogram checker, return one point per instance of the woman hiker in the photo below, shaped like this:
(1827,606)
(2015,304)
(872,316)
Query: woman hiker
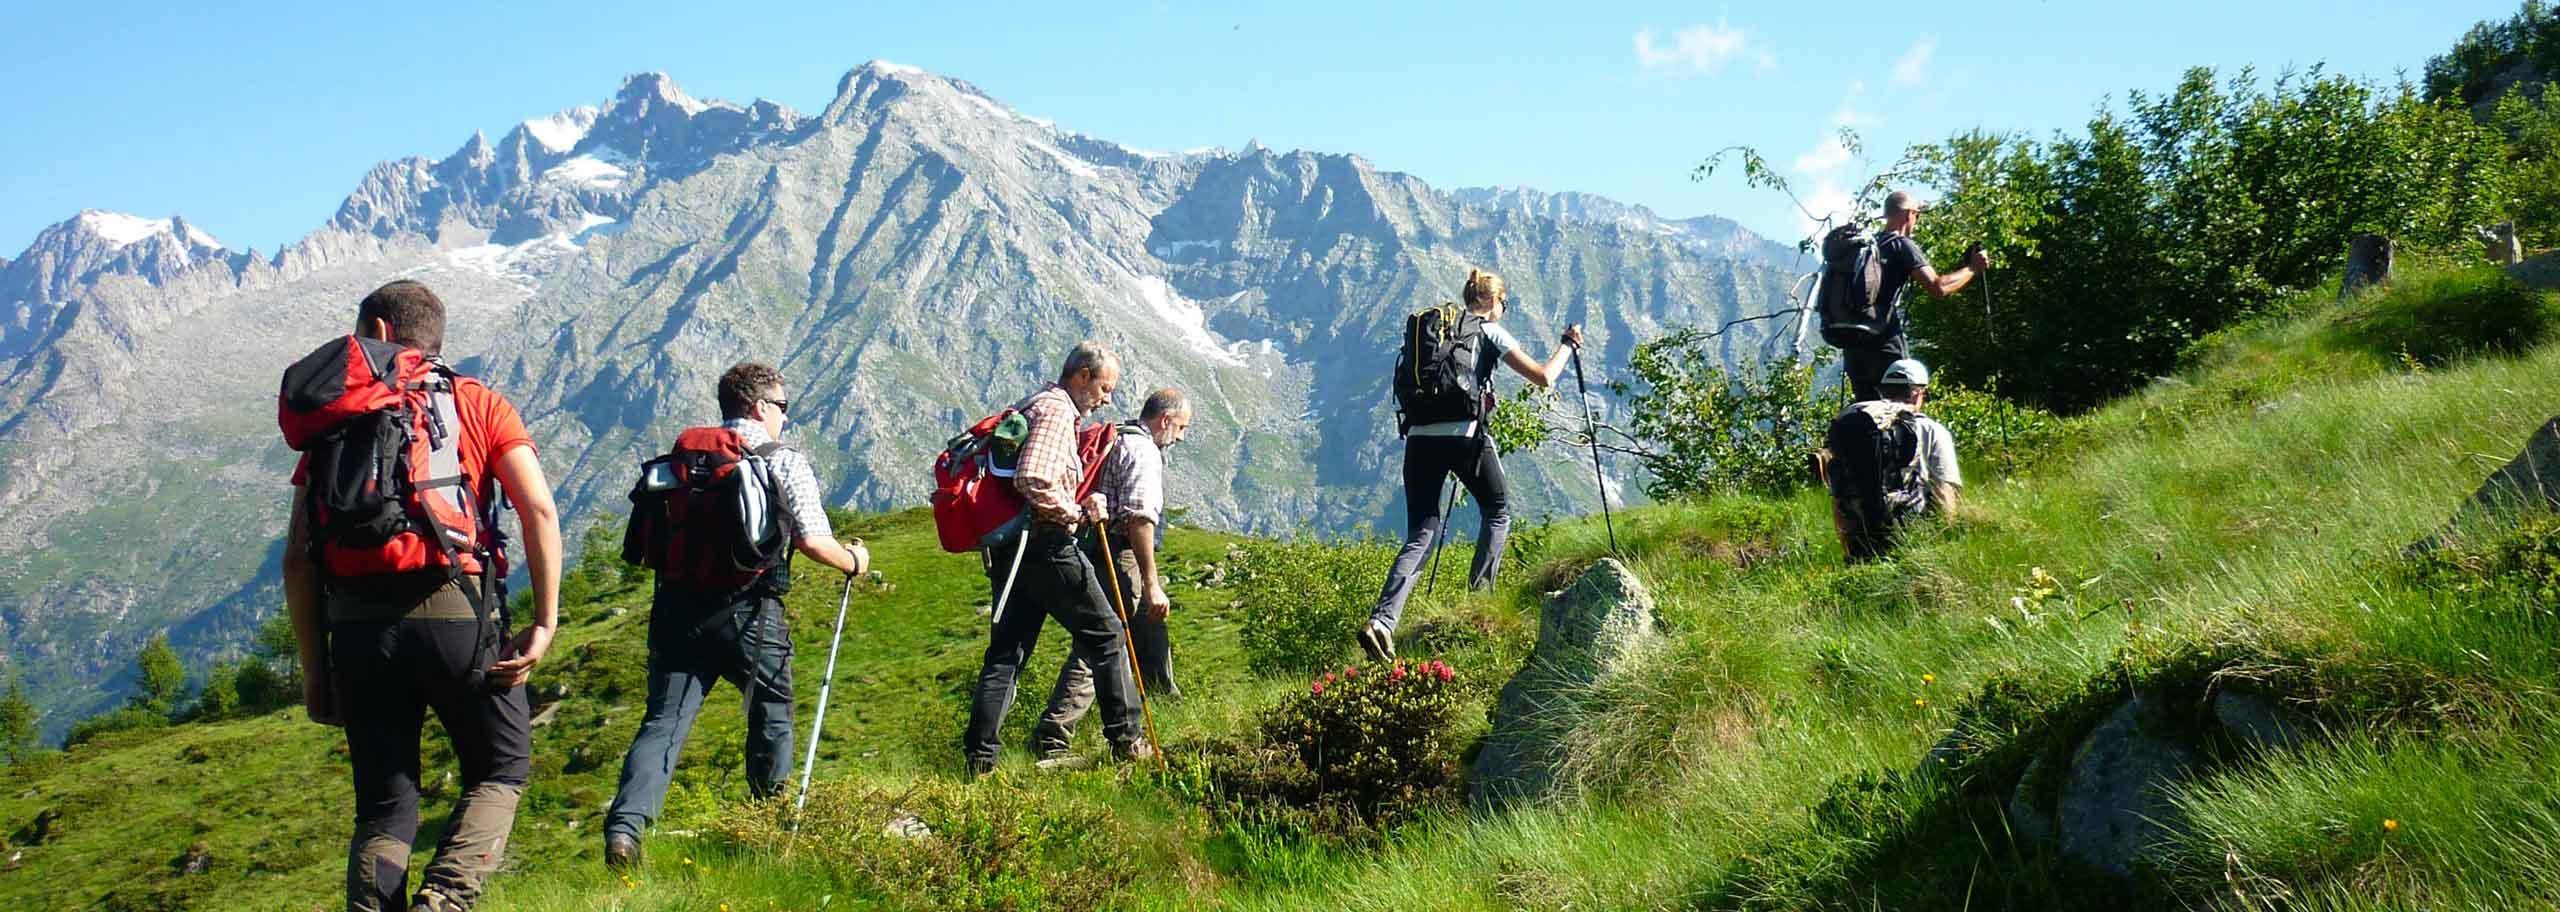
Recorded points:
(1433,451)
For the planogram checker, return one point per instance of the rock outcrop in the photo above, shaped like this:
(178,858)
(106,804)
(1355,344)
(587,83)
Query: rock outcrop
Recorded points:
(1596,628)
(2529,483)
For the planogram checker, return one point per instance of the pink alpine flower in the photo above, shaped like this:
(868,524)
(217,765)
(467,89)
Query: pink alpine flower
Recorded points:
(1317,687)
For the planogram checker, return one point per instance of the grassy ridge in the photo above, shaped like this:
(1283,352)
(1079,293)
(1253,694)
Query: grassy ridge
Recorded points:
(2235,526)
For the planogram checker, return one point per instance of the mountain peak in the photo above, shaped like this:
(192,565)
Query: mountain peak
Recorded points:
(561,131)
(120,229)
(643,92)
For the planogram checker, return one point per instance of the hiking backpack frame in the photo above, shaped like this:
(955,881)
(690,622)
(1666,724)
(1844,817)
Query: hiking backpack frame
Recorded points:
(704,514)
(1435,379)
(1875,461)
(384,491)
(1849,297)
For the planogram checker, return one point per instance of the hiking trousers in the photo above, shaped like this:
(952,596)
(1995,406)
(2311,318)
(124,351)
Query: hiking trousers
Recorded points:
(698,638)
(1428,463)
(388,674)
(1863,366)
(1056,581)
(1072,698)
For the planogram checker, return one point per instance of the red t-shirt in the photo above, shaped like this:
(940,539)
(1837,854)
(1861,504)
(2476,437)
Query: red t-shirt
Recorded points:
(490,427)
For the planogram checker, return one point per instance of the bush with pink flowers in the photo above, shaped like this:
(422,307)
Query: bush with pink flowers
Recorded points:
(1375,743)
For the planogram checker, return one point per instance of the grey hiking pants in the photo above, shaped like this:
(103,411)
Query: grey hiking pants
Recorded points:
(698,639)
(1056,581)
(1428,463)
(388,674)
(1073,695)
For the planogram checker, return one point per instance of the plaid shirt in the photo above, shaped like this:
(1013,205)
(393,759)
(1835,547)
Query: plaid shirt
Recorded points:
(1049,469)
(800,500)
(1132,479)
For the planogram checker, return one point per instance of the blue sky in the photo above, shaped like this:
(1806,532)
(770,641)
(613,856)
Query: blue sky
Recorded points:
(254,122)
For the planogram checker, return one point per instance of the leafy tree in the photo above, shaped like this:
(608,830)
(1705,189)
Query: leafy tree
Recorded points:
(220,697)
(1699,429)
(18,723)
(163,677)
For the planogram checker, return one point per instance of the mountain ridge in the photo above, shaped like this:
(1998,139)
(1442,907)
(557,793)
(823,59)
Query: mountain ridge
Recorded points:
(913,254)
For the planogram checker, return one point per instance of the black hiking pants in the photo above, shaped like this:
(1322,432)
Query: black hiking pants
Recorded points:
(1863,366)
(388,674)
(699,638)
(1428,463)
(1056,581)
(1072,698)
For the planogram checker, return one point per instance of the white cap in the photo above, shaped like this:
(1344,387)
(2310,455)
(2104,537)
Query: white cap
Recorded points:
(1905,372)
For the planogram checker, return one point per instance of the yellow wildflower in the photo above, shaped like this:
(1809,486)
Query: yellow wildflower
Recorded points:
(2389,825)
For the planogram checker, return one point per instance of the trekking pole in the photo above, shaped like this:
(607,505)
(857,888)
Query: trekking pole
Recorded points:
(1128,641)
(1440,542)
(825,685)
(1021,541)
(1591,426)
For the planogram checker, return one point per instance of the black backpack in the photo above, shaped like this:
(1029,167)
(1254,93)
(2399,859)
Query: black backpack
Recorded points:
(1436,370)
(1875,459)
(1849,302)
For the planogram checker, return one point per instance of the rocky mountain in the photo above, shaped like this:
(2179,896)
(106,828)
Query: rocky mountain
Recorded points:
(913,255)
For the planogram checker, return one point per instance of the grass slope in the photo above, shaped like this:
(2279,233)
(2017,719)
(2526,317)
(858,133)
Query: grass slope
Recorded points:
(2235,526)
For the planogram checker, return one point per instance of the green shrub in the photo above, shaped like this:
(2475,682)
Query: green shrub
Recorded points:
(128,718)
(2437,318)
(1703,430)
(1358,750)
(1303,601)
(1994,437)
(1383,741)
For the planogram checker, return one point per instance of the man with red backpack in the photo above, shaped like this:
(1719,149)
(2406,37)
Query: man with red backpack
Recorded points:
(1050,575)
(700,518)
(393,576)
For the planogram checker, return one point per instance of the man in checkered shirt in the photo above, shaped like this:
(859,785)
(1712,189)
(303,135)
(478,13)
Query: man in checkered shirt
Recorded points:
(699,636)
(1055,579)
(1131,483)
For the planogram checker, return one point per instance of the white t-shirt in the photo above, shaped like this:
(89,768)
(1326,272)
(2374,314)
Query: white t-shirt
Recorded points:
(1937,452)
(1490,350)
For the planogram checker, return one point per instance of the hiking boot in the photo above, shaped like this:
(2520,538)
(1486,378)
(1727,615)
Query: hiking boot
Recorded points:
(1137,749)
(1378,642)
(981,768)
(621,853)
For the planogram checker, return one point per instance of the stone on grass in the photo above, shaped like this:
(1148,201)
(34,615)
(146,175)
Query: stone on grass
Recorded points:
(1596,628)
(2529,483)
(2115,802)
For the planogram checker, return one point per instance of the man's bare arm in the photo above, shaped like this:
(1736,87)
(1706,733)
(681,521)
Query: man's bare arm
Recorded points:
(538,517)
(302,606)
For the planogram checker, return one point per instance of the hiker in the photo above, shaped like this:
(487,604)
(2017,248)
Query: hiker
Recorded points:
(1131,483)
(1900,260)
(1437,445)
(1054,578)
(1889,464)
(711,621)
(396,592)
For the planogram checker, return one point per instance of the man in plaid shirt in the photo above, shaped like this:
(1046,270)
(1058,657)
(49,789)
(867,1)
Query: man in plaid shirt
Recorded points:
(1055,579)
(1131,484)
(701,636)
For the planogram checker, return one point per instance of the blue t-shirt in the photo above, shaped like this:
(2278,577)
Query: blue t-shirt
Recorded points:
(1490,350)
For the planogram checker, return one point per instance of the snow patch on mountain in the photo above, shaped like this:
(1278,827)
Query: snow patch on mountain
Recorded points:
(601,170)
(1184,318)
(561,132)
(524,265)
(895,69)
(120,229)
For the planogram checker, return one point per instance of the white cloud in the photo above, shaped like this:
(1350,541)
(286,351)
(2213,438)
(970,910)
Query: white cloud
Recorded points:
(1913,68)
(1706,49)
(1825,165)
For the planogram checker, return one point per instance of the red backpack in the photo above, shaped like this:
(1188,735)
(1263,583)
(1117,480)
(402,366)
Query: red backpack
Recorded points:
(704,514)
(381,438)
(973,495)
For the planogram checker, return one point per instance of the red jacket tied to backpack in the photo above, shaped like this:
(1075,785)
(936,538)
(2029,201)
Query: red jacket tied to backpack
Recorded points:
(704,513)
(382,441)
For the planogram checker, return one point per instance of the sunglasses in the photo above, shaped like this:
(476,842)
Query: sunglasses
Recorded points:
(781,405)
